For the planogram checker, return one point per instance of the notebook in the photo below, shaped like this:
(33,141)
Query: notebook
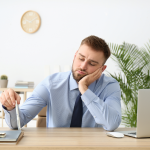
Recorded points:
(143,119)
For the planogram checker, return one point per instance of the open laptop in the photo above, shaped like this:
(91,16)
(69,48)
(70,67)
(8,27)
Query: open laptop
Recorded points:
(12,135)
(143,116)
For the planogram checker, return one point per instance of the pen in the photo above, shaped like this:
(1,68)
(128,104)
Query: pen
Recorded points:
(18,117)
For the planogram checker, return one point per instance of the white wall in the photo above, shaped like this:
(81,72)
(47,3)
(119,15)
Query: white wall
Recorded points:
(64,23)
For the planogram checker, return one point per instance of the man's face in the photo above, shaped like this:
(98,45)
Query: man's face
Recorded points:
(86,61)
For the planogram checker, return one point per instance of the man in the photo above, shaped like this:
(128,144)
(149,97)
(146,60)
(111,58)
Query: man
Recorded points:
(98,105)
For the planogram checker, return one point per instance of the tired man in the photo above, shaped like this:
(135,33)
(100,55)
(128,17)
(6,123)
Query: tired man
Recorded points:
(83,97)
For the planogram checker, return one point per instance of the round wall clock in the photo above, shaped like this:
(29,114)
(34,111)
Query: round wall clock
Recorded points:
(30,21)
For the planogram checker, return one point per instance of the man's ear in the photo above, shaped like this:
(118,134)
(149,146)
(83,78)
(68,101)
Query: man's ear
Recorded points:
(104,67)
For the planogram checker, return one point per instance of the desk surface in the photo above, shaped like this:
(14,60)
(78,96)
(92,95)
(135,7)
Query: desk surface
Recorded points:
(75,138)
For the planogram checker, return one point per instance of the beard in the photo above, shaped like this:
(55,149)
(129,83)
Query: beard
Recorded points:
(76,75)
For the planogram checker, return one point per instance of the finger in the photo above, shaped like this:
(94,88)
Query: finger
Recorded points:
(12,97)
(97,73)
(4,101)
(101,68)
(1,100)
(6,104)
(17,97)
(7,98)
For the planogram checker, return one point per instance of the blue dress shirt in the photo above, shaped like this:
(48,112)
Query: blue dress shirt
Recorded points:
(101,103)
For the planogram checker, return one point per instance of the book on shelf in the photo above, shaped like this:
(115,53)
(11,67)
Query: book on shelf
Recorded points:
(22,84)
(21,87)
(25,83)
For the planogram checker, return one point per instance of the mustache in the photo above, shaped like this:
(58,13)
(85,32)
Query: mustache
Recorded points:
(79,69)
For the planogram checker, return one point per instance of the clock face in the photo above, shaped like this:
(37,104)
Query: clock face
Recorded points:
(30,21)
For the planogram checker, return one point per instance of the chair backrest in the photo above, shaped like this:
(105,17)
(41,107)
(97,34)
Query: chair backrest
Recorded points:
(41,121)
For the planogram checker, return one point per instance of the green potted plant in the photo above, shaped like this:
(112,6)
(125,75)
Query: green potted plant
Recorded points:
(3,81)
(134,68)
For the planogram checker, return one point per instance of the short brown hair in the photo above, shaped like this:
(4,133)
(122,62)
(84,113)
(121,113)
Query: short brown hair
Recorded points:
(97,44)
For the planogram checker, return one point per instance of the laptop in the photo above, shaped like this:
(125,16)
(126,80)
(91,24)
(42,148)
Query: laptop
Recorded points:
(12,135)
(143,116)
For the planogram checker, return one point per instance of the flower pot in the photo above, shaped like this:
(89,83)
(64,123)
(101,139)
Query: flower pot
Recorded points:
(3,83)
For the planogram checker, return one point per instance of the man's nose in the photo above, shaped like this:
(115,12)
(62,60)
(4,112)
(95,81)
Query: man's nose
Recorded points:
(84,65)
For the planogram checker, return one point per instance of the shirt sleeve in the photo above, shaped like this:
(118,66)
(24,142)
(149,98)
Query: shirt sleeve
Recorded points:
(106,109)
(31,107)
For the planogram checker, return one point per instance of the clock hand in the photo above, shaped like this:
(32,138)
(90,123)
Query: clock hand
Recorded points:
(27,20)
(33,19)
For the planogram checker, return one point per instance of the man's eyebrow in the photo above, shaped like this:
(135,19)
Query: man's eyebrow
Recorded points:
(90,59)
(81,55)
(94,61)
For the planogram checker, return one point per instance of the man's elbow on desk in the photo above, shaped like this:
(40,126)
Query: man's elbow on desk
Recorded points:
(111,126)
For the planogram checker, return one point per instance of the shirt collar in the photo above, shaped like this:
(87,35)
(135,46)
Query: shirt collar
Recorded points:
(73,83)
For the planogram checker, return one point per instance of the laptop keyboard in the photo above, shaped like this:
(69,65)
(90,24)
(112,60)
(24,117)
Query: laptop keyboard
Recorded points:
(133,133)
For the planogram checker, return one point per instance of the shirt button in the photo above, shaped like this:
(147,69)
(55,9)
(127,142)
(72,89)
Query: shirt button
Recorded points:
(94,116)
